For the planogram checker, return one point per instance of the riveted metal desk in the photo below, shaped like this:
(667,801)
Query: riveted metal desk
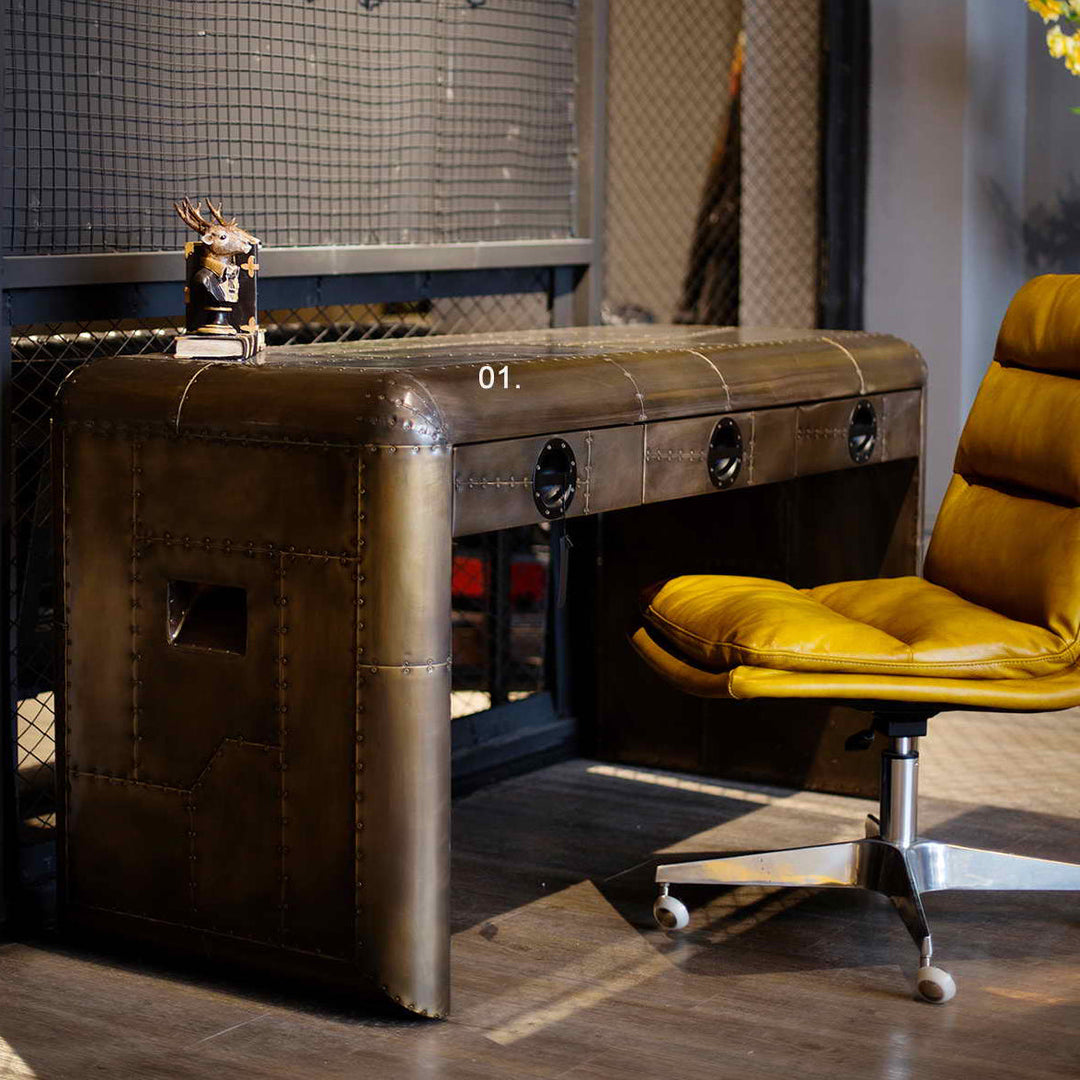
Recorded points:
(257,591)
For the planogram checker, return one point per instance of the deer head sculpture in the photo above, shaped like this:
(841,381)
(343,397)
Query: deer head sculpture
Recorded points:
(223,238)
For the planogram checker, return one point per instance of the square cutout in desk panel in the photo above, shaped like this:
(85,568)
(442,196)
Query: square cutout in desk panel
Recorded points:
(212,618)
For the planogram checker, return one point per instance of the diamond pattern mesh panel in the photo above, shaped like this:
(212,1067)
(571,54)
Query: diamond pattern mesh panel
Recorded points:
(326,121)
(713,162)
(668,101)
(780,171)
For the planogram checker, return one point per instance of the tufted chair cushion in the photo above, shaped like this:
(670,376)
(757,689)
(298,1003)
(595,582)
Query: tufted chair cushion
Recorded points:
(889,625)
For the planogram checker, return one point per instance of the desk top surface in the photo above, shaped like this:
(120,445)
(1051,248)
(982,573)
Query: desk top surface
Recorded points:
(425,391)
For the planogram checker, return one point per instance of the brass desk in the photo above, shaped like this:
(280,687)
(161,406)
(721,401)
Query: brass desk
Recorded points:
(257,589)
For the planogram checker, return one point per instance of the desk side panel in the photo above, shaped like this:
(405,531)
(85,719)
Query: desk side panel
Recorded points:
(270,783)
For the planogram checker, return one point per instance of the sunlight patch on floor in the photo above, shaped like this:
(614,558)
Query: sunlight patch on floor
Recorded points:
(845,806)
(12,1067)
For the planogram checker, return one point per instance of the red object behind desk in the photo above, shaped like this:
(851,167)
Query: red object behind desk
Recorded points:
(528,580)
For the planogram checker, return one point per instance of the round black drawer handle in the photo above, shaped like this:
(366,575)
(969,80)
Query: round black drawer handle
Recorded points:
(862,432)
(725,453)
(554,478)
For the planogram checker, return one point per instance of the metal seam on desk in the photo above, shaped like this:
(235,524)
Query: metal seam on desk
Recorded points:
(472,483)
(719,375)
(190,383)
(180,789)
(249,548)
(358,714)
(136,494)
(644,462)
(851,356)
(588,468)
(677,455)
(753,446)
(633,382)
(440,420)
(407,667)
(282,660)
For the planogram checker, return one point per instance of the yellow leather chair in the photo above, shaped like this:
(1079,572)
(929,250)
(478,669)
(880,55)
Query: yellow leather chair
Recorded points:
(994,624)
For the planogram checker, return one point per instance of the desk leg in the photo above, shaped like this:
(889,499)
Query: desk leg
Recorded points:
(403,722)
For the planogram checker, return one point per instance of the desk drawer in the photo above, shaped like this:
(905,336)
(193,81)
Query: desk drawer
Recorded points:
(493,482)
(677,452)
(824,432)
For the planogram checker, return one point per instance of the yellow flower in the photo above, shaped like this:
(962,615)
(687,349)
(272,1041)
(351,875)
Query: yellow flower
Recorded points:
(1060,45)
(1048,9)
(1064,46)
(1057,42)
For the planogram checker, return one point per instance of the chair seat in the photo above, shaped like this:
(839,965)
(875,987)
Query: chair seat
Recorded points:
(1038,694)
(894,626)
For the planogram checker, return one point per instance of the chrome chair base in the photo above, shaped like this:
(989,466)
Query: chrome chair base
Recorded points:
(890,860)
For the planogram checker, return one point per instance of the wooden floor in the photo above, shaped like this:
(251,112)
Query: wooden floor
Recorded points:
(559,971)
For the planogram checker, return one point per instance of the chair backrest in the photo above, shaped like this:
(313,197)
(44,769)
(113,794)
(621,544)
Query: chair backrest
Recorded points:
(1008,533)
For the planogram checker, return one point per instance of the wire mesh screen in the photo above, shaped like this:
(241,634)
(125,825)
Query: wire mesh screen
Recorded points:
(43,355)
(327,121)
(668,98)
(781,168)
(713,162)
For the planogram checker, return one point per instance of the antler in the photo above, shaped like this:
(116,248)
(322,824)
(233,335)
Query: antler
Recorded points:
(216,211)
(191,215)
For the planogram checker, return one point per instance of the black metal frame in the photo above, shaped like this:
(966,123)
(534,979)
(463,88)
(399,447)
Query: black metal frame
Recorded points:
(845,143)
(8,718)
(512,737)
(122,300)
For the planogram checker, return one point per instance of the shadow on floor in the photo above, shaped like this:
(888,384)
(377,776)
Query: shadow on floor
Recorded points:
(524,838)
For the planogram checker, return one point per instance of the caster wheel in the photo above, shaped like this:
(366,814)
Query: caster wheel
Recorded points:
(670,914)
(935,985)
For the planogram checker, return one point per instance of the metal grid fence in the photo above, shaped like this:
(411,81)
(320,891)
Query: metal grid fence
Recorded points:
(327,121)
